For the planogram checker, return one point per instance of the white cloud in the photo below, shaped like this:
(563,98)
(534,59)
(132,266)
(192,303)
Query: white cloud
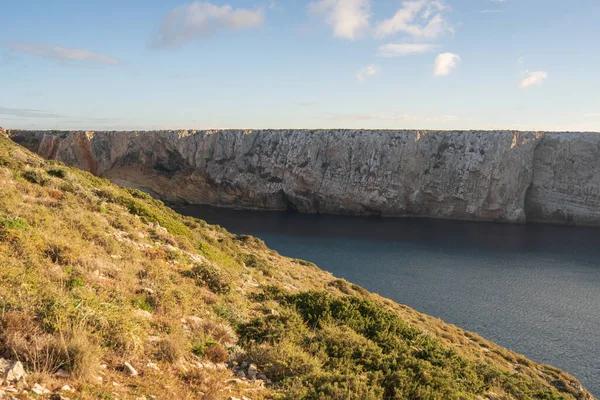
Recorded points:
(418,18)
(364,73)
(200,19)
(490,11)
(349,18)
(497,1)
(27,113)
(521,60)
(63,53)
(534,78)
(592,115)
(401,49)
(445,63)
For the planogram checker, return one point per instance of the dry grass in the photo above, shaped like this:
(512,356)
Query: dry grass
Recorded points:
(172,348)
(72,349)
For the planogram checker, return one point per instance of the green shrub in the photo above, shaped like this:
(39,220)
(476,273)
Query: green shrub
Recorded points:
(210,277)
(342,285)
(304,263)
(35,176)
(143,303)
(233,313)
(253,261)
(274,328)
(200,348)
(284,359)
(14,223)
(68,187)
(327,337)
(58,173)
(359,290)
(4,162)
(75,282)
(338,385)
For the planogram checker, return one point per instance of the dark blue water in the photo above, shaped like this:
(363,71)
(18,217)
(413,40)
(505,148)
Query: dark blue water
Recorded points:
(534,289)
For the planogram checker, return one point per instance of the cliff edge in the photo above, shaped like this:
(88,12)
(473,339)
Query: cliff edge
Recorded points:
(471,175)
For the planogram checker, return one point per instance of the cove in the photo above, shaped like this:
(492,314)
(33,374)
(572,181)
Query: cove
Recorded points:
(534,289)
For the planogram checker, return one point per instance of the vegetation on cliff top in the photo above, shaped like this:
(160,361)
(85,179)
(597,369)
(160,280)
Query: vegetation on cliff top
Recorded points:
(93,276)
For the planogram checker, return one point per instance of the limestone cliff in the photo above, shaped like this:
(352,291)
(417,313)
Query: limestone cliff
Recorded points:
(472,175)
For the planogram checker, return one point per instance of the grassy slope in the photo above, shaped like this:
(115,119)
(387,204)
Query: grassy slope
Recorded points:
(93,274)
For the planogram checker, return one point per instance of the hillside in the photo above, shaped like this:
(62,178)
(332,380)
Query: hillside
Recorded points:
(110,292)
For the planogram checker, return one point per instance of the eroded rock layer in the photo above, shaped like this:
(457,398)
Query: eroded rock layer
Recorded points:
(472,175)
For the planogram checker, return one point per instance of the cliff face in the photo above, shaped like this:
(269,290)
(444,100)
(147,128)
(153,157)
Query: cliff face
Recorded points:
(473,175)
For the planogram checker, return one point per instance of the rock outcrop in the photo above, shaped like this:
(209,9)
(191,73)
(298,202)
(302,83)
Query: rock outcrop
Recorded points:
(471,175)
(12,371)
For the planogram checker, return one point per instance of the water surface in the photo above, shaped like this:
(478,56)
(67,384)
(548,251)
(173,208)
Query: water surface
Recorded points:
(534,289)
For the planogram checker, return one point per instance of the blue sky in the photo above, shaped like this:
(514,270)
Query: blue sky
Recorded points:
(423,64)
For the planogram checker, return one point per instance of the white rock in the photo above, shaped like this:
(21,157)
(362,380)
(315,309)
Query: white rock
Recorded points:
(142,314)
(67,388)
(128,368)
(15,372)
(209,365)
(39,390)
(152,366)
(221,366)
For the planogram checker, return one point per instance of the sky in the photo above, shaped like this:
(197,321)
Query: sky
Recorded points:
(393,64)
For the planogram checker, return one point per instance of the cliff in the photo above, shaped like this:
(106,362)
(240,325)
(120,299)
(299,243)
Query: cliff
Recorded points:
(471,175)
